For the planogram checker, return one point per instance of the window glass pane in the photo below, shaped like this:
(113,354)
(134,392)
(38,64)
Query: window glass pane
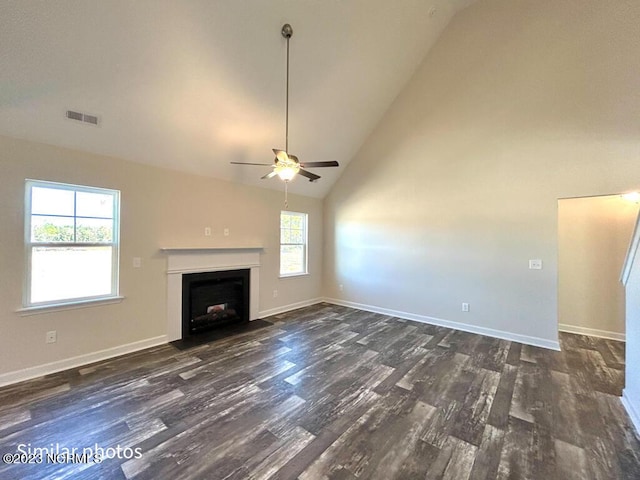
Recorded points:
(296,236)
(60,273)
(51,201)
(293,240)
(94,230)
(94,205)
(291,259)
(296,221)
(51,229)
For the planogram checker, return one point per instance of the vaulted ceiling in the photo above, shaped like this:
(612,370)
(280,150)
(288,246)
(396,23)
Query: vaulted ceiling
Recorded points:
(192,85)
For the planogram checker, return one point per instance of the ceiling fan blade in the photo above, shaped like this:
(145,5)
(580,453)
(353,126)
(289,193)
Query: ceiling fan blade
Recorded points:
(319,164)
(246,163)
(281,155)
(311,176)
(268,175)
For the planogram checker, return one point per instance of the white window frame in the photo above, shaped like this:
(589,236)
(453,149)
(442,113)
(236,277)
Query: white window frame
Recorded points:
(305,244)
(30,245)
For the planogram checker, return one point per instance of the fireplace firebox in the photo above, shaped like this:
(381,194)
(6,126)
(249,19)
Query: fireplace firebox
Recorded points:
(214,300)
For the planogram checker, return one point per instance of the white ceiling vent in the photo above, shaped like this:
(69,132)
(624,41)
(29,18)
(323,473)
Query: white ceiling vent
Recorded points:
(82,117)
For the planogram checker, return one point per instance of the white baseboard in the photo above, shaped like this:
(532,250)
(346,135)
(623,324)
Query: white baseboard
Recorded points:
(515,337)
(592,332)
(632,410)
(78,361)
(288,308)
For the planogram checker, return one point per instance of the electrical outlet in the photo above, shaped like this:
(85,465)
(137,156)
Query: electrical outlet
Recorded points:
(535,264)
(226,232)
(341,287)
(465,307)
(52,337)
(207,231)
(137,262)
(275,293)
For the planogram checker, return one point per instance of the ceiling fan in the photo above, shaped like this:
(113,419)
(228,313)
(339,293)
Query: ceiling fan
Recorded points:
(287,166)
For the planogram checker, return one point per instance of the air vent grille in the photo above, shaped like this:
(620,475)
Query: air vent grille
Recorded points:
(82,117)
(92,119)
(74,115)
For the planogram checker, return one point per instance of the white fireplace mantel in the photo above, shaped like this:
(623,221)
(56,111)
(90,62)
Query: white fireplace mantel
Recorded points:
(207,259)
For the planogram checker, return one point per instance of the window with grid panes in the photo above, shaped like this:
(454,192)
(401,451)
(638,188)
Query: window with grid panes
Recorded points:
(293,243)
(71,241)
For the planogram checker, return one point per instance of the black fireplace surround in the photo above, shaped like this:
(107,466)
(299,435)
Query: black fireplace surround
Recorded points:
(214,300)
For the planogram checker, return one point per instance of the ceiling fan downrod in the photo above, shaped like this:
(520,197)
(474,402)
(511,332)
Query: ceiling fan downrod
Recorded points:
(287,32)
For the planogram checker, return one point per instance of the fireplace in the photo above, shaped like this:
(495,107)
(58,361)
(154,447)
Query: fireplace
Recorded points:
(214,300)
(183,262)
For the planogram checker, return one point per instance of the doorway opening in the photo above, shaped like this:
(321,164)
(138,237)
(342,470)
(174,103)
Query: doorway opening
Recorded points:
(593,239)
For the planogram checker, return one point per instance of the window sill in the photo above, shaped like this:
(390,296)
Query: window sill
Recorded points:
(56,307)
(290,275)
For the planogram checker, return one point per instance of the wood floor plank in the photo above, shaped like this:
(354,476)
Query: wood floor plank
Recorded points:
(305,457)
(566,426)
(571,461)
(476,406)
(515,459)
(333,392)
(285,449)
(487,461)
(499,414)
(515,350)
(454,461)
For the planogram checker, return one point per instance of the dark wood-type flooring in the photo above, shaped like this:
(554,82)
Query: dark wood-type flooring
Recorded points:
(333,392)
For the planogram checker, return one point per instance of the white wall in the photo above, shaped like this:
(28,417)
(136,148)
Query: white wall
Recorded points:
(631,279)
(519,103)
(159,208)
(593,239)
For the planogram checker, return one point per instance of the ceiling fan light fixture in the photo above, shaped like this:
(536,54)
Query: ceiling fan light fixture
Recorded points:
(287,166)
(286,171)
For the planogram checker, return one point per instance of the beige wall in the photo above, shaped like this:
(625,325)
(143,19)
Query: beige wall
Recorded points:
(159,208)
(593,239)
(520,102)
